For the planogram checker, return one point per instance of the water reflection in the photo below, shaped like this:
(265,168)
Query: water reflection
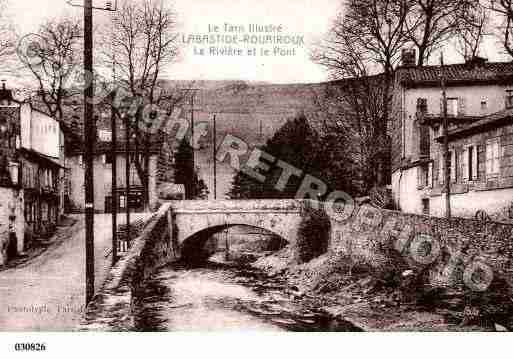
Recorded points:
(225,297)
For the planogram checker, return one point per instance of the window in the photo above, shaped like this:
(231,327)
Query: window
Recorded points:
(425,176)
(105,135)
(425,206)
(452,106)
(492,157)
(509,98)
(108,158)
(122,201)
(422,106)
(422,176)
(424,141)
(484,105)
(470,164)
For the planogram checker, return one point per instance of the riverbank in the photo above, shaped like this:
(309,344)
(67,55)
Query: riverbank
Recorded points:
(374,300)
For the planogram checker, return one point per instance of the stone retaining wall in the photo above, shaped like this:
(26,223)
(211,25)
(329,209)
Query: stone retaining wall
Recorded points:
(455,246)
(111,308)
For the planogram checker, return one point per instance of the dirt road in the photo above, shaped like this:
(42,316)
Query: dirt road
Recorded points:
(47,293)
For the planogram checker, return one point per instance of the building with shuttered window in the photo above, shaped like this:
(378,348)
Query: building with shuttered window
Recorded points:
(31,174)
(480,109)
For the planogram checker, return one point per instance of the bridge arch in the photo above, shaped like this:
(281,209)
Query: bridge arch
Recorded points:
(301,223)
(195,249)
(283,225)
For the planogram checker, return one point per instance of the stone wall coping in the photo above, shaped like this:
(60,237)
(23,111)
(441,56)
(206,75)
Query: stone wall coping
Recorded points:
(259,205)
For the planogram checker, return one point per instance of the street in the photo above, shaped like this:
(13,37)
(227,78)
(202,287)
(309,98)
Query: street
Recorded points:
(48,292)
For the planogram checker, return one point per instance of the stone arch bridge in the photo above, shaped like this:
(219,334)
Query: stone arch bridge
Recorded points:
(289,219)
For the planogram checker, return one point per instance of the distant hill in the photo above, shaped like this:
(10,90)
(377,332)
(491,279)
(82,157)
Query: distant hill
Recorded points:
(250,111)
(251,97)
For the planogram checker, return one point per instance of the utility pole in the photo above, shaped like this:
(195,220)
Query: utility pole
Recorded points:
(445,126)
(193,93)
(114,162)
(214,153)
(192,129)
(127,176)
(89,144)
(115,201)
(191,143)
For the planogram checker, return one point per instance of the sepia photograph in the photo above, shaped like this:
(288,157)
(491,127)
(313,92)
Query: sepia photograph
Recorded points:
(174,166)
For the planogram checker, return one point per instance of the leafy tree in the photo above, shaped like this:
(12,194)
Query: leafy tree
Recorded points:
(297,144)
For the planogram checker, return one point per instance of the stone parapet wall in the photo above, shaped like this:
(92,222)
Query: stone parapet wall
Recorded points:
(377,236)
(112,307)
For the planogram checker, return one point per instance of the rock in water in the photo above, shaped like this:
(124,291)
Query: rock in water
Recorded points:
(500,328)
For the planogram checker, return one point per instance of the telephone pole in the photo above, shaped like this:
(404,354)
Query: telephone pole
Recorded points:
(127,176)
(193,93)
(89,137)
(445,129)
(114,162)
(115,201)
(214,159)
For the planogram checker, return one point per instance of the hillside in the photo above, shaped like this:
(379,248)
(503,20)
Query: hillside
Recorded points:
(250,111)
(251,97)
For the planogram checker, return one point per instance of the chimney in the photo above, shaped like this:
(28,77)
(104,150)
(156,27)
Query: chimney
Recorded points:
(408,58)
(476,61)
(5,95)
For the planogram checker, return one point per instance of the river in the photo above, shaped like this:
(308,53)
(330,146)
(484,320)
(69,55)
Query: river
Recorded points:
(225,297)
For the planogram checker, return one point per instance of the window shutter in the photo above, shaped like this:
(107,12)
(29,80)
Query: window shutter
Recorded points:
(464,162)
(441,170)
(489,155)
(475,163)
(453,165)
(461,106)
(496,157)
(430,174)
(441,106)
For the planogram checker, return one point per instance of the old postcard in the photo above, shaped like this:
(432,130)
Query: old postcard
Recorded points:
(232,165)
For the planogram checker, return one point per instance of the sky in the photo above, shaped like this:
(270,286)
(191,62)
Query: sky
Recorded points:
(308,20)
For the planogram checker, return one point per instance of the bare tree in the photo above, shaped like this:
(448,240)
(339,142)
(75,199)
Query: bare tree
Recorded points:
(376,27)
(142,42)
(503,10)
(367,38)
(7,33)
(53,56)
(350,114)
(471,30)
(431,23)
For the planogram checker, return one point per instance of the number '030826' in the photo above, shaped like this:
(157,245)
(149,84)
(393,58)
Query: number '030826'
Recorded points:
(32,347)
